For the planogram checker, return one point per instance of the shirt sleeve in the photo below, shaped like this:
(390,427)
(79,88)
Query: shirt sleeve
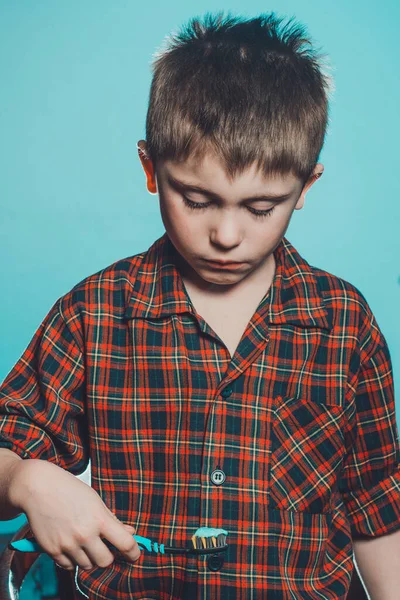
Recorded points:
(42,399)
(370,485)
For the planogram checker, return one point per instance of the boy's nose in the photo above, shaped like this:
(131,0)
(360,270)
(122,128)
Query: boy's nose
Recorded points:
(227,235)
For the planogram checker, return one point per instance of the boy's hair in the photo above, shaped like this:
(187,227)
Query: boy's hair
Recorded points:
(243,90)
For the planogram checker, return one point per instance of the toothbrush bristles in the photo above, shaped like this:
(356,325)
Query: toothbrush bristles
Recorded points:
(209,537)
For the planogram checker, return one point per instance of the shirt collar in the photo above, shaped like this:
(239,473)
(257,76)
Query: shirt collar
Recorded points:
(295,295)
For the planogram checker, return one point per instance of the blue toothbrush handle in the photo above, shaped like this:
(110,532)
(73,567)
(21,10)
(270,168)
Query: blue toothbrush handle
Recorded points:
(25,545)
(31,545)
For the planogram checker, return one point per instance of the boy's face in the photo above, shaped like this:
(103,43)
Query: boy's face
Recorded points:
(225,229)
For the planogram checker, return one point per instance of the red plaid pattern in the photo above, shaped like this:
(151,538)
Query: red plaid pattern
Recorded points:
(301,420)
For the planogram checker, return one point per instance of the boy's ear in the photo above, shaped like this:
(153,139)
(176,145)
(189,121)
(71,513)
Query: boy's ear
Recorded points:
(318,170)
(148,167)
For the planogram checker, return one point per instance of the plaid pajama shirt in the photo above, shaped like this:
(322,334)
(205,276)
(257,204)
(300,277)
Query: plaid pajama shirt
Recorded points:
(291,445)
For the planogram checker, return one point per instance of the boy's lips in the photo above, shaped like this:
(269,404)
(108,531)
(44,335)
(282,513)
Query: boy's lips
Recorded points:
(224,262)
(224,265)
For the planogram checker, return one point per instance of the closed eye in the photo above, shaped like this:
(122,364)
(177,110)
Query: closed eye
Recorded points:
(202,205)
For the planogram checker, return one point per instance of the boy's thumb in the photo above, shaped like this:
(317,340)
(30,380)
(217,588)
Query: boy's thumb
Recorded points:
(130,527)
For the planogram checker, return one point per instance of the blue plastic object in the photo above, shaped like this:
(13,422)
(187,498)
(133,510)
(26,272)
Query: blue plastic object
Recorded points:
(30,545)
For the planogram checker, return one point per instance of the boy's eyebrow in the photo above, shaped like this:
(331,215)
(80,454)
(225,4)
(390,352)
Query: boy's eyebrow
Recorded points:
(197,188)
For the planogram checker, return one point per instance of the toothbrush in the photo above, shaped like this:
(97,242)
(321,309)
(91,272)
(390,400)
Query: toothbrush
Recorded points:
(205,540)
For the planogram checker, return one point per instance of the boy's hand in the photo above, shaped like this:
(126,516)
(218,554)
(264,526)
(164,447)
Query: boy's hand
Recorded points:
(67,517)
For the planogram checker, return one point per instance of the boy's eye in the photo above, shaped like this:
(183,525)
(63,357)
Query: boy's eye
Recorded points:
(200,205)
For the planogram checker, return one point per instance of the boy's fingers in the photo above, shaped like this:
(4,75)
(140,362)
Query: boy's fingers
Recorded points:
(122,539)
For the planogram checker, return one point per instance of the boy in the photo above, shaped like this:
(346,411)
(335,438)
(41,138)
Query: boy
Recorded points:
(256,397)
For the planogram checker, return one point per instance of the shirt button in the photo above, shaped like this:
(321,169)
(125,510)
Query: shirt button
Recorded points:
(215,562)
(218,477)
(226,392)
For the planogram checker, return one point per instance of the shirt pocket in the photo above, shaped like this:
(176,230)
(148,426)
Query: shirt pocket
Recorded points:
(307,450)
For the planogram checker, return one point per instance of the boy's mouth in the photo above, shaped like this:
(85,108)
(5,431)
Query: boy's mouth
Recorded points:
(224,262)
(224,265)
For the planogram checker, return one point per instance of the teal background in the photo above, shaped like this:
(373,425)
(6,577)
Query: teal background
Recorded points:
(75,80)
